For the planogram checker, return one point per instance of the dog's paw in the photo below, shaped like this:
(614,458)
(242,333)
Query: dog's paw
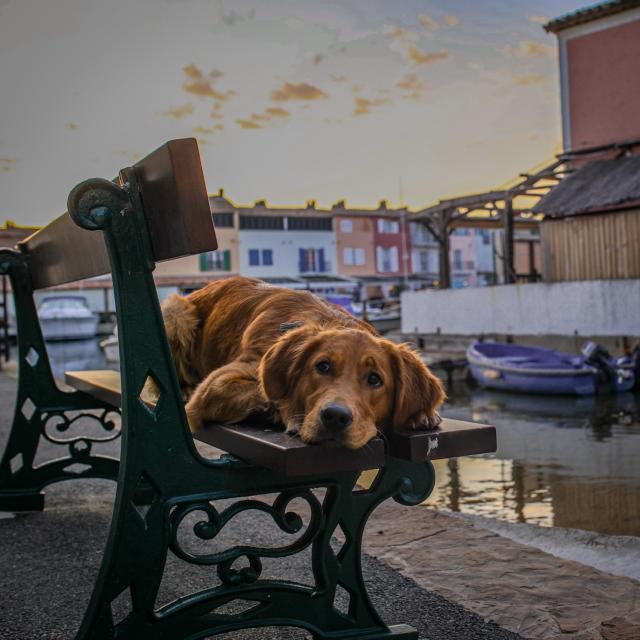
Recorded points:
(425,422)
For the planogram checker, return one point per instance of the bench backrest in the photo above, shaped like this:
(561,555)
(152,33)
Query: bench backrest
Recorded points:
(177,213)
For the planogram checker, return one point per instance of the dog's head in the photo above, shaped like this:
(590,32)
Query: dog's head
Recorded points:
(343,385)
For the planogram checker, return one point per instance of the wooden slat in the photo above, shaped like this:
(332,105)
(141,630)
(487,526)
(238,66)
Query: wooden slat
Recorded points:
(289,456)
(177,214)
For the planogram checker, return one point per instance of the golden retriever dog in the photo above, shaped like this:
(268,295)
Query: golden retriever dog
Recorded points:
(242,347)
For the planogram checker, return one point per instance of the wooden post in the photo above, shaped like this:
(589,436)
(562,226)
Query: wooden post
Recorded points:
(507,257)
(443,241)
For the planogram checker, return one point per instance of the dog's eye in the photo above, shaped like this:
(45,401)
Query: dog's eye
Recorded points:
(374,380)
(323,366)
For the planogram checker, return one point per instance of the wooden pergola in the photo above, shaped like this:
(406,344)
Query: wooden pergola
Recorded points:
(507,208)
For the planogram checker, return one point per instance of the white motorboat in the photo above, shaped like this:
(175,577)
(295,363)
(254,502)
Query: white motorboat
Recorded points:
(111,347)
(67,318)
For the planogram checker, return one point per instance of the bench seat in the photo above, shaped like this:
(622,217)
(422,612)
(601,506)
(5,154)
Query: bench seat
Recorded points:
(288,456)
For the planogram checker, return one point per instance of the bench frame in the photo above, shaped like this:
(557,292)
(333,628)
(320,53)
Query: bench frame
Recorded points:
(159,457)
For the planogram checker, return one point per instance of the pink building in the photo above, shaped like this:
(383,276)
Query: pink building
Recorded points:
(599,51)
(392,241)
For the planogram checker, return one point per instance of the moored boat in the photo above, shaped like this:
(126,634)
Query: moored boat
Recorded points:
(515,367)
(67,318)
(111,347)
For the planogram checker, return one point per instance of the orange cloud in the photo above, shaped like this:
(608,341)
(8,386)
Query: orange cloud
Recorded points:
(72,126)
(300,91)
(202,85)
(410,82)
(420,57)
(216,111)
(178,112)
(259,117)
(530,49)
(528,79)
(6,164)
(277,112)
(451,21)
(398,33)
(364,105)
(248,124)
(428,22)
(318,58)
(209,130)
(538,19)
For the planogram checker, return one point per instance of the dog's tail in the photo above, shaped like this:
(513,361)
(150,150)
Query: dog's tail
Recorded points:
(181,323)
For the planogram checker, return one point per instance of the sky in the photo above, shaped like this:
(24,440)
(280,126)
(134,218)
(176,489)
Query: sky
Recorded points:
(362,100)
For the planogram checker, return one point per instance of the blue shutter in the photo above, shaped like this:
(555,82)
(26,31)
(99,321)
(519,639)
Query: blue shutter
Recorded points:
(302,254)
(254,258)
(321,262)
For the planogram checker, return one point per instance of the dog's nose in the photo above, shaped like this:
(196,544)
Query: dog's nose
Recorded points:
(335,417)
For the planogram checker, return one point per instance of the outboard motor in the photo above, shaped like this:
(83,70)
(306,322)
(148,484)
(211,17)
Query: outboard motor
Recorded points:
(599,357)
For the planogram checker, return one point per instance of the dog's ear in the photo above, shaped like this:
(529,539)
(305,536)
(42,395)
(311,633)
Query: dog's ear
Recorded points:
(418,393)
(280,365)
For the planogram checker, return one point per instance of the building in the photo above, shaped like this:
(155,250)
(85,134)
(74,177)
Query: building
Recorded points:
(599,56)
(591,229)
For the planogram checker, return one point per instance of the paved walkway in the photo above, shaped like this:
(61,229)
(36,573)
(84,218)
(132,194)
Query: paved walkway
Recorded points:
(49,562)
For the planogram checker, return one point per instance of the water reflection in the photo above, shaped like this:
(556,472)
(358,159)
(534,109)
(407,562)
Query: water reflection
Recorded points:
(76,355)
(566,462)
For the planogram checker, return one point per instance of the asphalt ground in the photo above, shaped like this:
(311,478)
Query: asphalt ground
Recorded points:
(49,561)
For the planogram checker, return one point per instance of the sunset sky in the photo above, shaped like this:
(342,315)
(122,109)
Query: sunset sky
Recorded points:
(290,100)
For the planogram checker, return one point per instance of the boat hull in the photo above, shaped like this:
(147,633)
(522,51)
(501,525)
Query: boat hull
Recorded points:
(69,328)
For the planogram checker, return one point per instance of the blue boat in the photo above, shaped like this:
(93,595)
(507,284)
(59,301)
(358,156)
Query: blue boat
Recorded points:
(514,367)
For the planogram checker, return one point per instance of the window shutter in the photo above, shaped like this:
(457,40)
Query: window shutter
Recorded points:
(226,257)
(204,261)
(379,259)
(321,262)
(301,257)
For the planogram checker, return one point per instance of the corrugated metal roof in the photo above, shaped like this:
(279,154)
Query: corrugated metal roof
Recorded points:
(598,186)
(594,12)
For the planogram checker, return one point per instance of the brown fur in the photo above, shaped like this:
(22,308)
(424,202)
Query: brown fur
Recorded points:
(228,338)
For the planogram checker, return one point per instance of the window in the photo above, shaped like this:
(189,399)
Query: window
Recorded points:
(461,232)
(255,254)
(223,219)
(457,259)
(388,226)
(216,261)
(353,257)
(309,224)
(346,226)
(312,261)
(421,235)
(485,234)
(387,259)
(267,223)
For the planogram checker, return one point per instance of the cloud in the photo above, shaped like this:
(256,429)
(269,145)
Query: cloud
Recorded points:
(338,78)
(410,82)
(401,34)
(203,85)
(258,117)
(6,164)
(216,111)
(529,79)
(538,19)
(71,126)
(248,124)
(300,91)
(451,21)
(529,49)
(428,22)
(277,112)
(209,130)
(364,105)
(178,112)
(420,57)
(318,58)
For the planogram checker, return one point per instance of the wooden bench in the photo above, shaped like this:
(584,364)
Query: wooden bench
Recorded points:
(157,210)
